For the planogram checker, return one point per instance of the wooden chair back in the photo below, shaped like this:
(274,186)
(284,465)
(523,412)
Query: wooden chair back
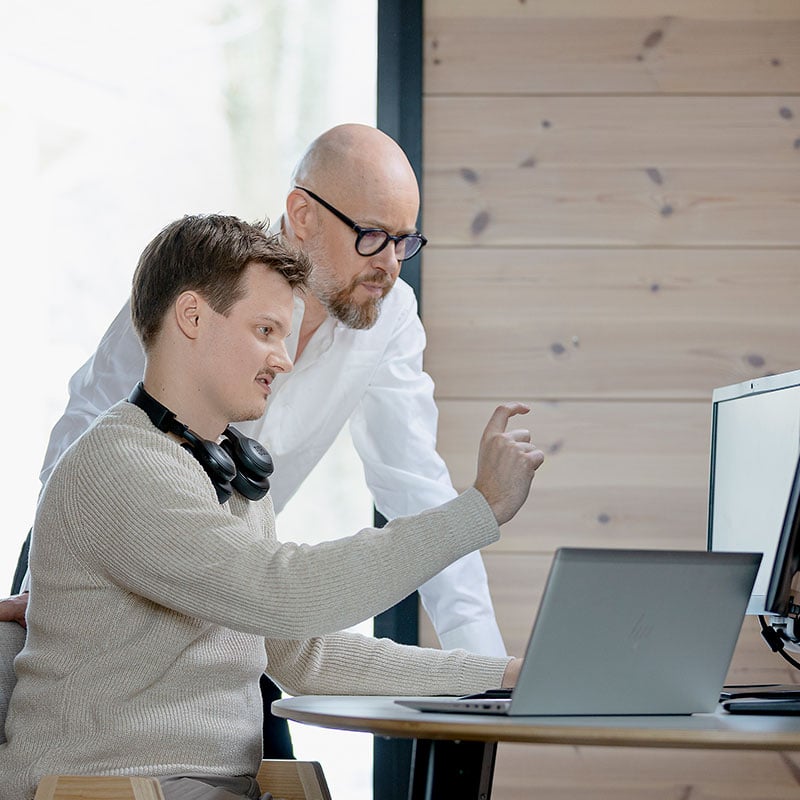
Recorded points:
(293,780)
(97,787)
(285,779)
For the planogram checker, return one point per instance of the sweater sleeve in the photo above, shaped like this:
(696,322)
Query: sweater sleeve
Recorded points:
(349,663)
(163,535)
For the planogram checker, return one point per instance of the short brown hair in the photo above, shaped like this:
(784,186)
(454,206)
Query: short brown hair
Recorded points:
(209,254)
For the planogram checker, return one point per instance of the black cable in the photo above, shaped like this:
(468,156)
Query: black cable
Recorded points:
(776,642)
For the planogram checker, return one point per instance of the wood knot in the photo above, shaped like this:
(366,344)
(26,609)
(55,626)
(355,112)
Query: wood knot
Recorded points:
(655,175)
(480,222)
(653,38)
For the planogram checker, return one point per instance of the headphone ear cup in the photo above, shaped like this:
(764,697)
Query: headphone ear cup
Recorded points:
(217,463)
(253,464)
(251,488)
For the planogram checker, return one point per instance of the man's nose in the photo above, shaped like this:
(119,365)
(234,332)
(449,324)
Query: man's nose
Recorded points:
(279,360)
(387,260)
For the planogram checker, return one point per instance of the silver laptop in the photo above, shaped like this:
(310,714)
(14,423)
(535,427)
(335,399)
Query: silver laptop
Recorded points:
(623,632)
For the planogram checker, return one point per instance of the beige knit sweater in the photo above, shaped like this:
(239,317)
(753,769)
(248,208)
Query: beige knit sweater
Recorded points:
(151,603)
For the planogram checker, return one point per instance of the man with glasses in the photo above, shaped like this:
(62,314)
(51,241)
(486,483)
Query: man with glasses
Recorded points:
(357,345)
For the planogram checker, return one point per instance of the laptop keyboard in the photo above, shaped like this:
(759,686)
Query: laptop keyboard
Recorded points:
(489,694)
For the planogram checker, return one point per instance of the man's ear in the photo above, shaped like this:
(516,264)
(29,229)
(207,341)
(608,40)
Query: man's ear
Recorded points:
(299,214)
(187,313)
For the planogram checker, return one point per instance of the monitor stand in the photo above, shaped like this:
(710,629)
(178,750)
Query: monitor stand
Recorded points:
(763,705)
(761,691)
(761,698)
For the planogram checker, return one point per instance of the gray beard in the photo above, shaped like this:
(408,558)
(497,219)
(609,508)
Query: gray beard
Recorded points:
(340,305)
(358,317)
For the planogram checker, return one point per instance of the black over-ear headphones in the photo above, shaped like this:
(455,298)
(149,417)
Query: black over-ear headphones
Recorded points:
(237,462)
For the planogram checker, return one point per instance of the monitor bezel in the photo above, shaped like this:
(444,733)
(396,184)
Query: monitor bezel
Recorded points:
(749,388)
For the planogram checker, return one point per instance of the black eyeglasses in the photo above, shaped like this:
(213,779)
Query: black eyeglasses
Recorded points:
(370,241)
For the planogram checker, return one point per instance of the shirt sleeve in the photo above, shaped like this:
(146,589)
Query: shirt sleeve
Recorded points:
(394,431)
(107,377)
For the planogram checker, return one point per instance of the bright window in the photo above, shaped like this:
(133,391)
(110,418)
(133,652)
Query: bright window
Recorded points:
(115,119)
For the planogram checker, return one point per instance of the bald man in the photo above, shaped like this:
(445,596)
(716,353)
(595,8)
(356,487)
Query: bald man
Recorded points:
(357,345)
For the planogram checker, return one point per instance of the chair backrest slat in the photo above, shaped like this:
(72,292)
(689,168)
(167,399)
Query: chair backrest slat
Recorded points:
(293,780)
(97,787)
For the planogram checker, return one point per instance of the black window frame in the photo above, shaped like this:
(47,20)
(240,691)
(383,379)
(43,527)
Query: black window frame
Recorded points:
(399,105)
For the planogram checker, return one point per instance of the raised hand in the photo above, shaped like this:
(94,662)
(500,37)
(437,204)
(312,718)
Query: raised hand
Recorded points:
(507,462)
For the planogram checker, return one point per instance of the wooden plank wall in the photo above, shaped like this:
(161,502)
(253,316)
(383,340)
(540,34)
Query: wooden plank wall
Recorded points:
(612,194)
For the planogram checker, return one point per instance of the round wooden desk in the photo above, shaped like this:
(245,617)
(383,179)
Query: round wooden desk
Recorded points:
(454,753)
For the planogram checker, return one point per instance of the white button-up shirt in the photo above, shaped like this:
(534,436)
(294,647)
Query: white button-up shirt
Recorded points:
(374,379)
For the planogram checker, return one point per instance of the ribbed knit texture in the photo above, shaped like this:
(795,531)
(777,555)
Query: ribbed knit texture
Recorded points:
(150,606)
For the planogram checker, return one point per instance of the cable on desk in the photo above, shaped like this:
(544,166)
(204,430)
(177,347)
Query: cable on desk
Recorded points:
(775,641)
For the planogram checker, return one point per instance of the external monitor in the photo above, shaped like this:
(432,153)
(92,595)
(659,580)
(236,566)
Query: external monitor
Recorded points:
(755,444)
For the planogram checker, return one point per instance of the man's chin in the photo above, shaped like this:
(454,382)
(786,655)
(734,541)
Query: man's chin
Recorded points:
(363,315)
(359,317)
(249,415)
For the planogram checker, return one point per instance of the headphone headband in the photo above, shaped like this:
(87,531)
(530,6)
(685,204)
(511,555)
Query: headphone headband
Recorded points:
(164,419)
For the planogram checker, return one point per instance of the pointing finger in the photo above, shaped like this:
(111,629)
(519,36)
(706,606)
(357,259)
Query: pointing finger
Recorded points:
(499,419)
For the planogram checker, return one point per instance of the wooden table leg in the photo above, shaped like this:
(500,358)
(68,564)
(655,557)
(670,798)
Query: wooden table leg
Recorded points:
(445,769)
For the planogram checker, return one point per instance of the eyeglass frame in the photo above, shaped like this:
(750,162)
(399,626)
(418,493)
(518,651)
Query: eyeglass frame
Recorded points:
(361,231)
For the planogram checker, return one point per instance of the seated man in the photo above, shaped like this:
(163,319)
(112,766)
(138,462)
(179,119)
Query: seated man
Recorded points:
(357,342)
(153,515)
